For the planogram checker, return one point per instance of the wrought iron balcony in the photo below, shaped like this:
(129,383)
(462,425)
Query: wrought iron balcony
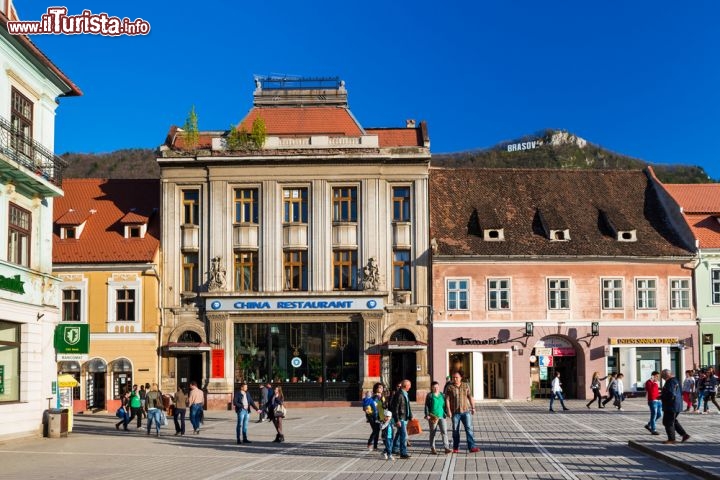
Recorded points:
(30,154)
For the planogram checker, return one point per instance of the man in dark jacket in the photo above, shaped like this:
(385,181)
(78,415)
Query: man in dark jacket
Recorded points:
(401,414)
(672,405)
(243,402)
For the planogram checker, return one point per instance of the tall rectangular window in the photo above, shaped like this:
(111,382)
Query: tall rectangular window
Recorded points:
(19,228)
(21,119)
(246,205)
(190,272)
(612,293)
(646,293)
(125,305)
(498,294)
(344,204)
(246,271)
(679,293)
(295,271)
(71,305)
(401,204)
(402,279)
(715,274)
(344,269)
(191,207)
(558,293)
(457,294)
(10,360)
(295,205)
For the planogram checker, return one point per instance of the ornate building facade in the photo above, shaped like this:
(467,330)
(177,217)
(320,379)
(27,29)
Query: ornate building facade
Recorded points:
(295,249)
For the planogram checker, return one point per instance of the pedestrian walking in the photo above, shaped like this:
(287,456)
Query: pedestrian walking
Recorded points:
(124,410)
(154,404)
(556,392)
(136,410)
(387,430)
(181,402)
(243,402)
(461,406)
(652,389)
(375,414)
(671,398)
(688,391)
(402,413)
(610,389)
(595,388)
(619,391)
(435,415)
(710,389)
(195,401)
(265,390)
(276,414)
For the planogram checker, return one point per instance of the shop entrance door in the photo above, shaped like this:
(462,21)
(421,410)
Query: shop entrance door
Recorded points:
(402,366)
(189,368)
(495,384)
(95,393)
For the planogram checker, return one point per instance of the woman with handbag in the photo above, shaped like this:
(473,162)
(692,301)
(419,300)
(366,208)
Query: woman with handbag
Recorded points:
(276,412)
(595,387)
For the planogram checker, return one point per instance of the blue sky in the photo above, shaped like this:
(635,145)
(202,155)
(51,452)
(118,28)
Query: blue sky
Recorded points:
(640,78)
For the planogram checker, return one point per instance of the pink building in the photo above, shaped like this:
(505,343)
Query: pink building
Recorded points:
(537,271)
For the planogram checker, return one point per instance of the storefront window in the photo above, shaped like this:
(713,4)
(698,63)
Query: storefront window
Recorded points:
(648,361)
(297,352)
(9,362)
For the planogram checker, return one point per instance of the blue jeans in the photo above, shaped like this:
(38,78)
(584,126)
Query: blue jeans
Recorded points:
(655,413)
(400,443)
(560,397)
(153,415)
(195,410)
(242,423)
(466,420)
(179,419)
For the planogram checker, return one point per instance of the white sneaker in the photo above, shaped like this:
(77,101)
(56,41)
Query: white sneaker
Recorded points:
(385,456)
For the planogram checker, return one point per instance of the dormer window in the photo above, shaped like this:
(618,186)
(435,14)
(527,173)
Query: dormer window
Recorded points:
(627,236)
(135,231)
(494,235)
(560,235)
(70,232)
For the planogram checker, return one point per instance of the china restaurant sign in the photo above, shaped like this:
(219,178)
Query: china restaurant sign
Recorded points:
(295,304)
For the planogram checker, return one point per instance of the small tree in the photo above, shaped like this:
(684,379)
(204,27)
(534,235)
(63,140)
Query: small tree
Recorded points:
(258,132)
(192,135)
(238,138)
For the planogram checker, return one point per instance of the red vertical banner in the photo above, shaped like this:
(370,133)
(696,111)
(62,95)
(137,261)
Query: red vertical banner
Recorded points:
(218,363)
(373,365)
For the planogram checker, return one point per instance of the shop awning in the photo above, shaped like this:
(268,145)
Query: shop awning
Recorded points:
(407,345)
(187,347)
(65,381)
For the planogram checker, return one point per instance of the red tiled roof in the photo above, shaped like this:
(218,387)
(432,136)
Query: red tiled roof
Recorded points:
(175,138)
(695,198)
(133,218)
(72,217)
(304,121)
(706,229)
(102,239)
(462,200)
(397,137)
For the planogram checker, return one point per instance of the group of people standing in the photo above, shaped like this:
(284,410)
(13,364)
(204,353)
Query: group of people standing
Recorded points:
(272,407)
(699,389)
(389,416)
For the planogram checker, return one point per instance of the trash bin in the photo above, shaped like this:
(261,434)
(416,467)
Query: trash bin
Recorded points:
(56,422)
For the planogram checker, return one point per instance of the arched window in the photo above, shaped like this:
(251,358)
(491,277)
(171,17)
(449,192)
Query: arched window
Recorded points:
(402,335)
(122,365)
(189,337)
(96,365)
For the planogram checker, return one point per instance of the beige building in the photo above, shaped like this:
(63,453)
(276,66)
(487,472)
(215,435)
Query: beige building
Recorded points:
(295,249)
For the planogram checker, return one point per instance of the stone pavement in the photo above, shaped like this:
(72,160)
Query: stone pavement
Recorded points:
(518,440)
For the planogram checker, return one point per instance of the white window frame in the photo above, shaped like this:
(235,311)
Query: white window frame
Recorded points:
(81,285)
(458,292)
(613,290)
(113,287)
(555,293)
(508,289)
(715,285)
(642,302)
(674,290)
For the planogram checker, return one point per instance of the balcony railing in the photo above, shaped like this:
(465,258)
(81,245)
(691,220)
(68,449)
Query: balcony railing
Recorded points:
(30,154)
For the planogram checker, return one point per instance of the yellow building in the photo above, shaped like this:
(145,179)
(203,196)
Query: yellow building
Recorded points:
(106,252)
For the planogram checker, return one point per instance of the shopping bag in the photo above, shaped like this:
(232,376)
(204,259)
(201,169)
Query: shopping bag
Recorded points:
(413,427)
(163,419)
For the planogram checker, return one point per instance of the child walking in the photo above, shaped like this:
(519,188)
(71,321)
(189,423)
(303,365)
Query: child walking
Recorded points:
(387,435)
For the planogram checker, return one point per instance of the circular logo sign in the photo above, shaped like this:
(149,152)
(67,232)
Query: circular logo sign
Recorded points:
(296,362)
(533,358)
(215,305)
(371,304)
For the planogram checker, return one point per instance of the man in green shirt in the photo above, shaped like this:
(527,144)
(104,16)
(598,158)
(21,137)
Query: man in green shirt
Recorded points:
(135,407)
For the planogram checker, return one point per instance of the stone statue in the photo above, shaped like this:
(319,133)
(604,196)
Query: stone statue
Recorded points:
(217,275)
(371,275)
